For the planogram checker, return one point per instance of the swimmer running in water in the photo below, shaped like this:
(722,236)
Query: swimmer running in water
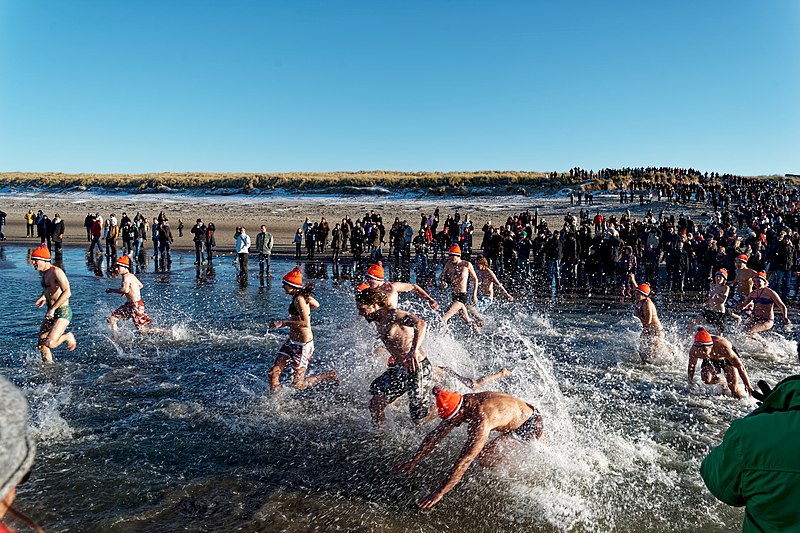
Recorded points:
(742,281)
(652,336)
(299,348)
(409,369)
(713,311)
(483,412)
(460,272)
(762,299)
(133,308)
(439,373)
(376,280)
(717,354)
(487,281)
(55,294)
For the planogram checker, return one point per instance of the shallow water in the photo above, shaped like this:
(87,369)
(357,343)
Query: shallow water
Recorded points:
(179,431)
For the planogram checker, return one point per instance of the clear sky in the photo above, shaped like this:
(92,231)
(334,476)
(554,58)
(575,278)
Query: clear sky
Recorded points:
(235,86)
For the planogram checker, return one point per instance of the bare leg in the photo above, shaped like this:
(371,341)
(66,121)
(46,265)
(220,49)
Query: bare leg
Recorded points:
(733,383)
(51,336)
(377,406)
(112,322)
(478,317)
(475,384)
(454,308)
(276,371)
(300,381)
(489,456)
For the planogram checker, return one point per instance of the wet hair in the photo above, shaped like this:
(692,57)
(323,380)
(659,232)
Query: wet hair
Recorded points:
(482,262)
(372,297)
(306,292)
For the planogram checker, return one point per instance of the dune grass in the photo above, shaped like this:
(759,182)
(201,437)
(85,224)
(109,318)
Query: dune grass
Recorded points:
(435,182)
(293,181)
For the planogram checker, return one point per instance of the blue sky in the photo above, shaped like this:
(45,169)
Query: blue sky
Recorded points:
(151,86)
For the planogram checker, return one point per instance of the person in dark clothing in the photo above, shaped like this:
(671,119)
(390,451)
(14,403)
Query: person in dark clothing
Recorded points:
(199,239)
(87,223)
(211,242)
(57,233)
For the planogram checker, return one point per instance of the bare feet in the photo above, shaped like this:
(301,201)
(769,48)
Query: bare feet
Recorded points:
(71,342)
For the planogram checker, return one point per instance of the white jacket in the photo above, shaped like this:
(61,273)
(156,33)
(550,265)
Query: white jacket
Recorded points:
(243,244)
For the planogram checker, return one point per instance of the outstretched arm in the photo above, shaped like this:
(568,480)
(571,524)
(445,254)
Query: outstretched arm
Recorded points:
(739,366)
(413,287)
(500,286)
(475,443)
(427,445)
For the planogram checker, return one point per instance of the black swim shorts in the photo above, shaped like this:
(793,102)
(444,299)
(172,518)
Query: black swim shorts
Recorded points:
(531,428)
(460,297)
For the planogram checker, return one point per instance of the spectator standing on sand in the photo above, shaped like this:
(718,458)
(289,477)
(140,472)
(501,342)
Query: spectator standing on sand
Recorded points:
(298,244)
(29,219)
(58,233)
(242,250)
(87,224)
(199,232)
(211,242)
(264,249)
(2,226)
(154,235)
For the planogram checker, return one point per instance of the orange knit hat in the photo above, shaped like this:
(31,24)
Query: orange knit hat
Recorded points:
(760,275)
(454,250)
(294,278)
(447,402)
(376,271)
(703,338)
(644,289)
(743,258)
(42,253)
(124,261)
(722,272)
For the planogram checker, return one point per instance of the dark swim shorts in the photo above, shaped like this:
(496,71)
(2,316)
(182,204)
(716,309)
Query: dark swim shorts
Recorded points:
(460,297)
(396,381)
(531,428)
(716,364)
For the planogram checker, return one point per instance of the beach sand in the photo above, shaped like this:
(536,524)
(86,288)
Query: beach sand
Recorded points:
(284,214)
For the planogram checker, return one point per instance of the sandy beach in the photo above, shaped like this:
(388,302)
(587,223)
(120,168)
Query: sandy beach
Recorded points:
(283,214)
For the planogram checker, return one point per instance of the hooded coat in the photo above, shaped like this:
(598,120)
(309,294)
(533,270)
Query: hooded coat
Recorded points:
(758,463)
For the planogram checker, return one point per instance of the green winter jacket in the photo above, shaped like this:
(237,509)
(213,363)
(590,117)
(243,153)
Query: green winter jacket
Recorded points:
(758,463)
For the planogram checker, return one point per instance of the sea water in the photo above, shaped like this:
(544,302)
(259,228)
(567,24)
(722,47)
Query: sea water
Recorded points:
(179,431)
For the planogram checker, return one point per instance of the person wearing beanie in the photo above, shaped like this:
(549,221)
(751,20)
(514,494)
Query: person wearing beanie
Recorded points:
(460,272)
(376,280)
(718,355)
(55,295)
(742,280)
(409,369)
(17,452)
(762,300)
(652,338)
(299,347)
(483,413)
(133,308)
(714,311)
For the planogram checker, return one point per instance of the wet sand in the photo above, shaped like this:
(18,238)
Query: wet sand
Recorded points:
(284,215)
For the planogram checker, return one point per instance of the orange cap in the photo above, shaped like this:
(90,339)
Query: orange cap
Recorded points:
(376,271)
(703,338)
(643,288)
(447,402)
(294,278)
(42,253)
(124,261)
(722,272)
(454,250)
(760,275)
(743,258)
